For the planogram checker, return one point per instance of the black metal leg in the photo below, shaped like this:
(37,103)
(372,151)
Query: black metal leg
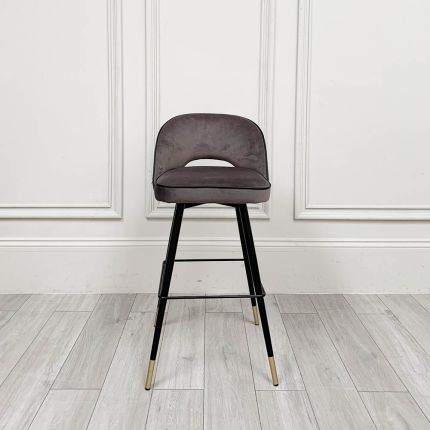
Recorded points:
(247,264)
(159,288)
(257,285)
(166,277)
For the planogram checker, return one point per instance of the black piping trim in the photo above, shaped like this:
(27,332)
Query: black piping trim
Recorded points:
(154,181)
(213,187)
(221,187)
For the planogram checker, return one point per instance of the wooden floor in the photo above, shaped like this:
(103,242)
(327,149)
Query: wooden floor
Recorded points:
(344,362)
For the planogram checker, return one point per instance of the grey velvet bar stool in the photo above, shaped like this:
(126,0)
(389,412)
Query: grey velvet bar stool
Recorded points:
(240,142)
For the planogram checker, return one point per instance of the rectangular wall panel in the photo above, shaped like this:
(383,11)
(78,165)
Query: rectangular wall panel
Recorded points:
(362,110)
(60,105)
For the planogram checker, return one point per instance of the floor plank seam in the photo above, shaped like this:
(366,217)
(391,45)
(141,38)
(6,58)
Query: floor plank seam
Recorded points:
(294,313)
(74,311)
(405,385)
(224,312)
(74,389)
(419,303)
(61,367)
(300,371)
(286,390)
(50,387)
(380,350)
(7,322)
(364,313)
(19,307)
(251,366)
(29,345)
(71,349)
(394,370)
(341,359)
(407,330)
(113,355)
(178,389)
(298,313)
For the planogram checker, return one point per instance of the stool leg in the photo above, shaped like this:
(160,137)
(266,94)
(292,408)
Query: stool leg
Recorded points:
(159,287)
(257,284)
(247,264)
(164,288)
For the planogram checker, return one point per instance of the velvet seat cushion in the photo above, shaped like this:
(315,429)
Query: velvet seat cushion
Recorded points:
(210,184)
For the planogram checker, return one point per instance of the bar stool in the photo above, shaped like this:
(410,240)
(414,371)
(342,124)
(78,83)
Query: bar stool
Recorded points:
(211,136)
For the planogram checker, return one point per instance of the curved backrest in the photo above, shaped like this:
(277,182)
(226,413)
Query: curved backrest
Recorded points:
(194,136)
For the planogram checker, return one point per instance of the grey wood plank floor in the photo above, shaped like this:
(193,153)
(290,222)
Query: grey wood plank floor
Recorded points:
(176,409)
(366,303)
(412,315)
(181,356)
(366,364)
(66,410)
(27,385)
(5,316)
(424,300)
(395,411)
(20,330)
(79,302)
(335,400)
(344,362)
(89,361)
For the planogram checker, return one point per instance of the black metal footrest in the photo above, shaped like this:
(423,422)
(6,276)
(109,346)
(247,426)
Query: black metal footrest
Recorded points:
(187,260)
(218,296)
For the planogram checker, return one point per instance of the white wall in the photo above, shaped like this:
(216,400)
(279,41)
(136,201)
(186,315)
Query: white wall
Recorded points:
(340,89)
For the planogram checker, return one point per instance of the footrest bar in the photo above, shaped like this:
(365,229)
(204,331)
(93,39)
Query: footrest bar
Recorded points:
(218,296)
(186,260)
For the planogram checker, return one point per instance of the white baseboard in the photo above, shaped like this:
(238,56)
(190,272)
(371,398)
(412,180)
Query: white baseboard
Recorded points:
(287,265)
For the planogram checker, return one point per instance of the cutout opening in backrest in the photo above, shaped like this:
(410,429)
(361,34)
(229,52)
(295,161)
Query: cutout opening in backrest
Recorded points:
(209,162)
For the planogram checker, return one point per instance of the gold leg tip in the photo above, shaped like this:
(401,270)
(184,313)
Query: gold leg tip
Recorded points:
(256,317)
(148,382)
(273,371)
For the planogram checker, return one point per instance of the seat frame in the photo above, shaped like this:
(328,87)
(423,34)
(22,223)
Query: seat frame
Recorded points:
(256,289)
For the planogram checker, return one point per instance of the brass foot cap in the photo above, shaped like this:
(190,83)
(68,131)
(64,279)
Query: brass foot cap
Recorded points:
(273,371)
(149,374)
(256,317)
